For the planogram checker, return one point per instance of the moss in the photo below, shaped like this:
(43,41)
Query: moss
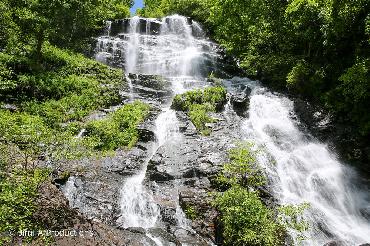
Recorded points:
(215,96)
(190,212)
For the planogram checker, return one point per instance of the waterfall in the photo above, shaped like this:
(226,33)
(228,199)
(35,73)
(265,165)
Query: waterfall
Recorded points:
(175,54)
(306,171)
(299,169)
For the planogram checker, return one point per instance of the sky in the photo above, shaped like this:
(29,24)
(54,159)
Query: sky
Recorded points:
(138,4)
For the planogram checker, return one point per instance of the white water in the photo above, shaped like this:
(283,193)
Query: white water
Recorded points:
(306,171)
(302,171)
(174,53)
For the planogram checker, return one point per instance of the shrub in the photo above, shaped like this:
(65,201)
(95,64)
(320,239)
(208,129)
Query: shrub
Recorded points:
(215,96)
(120,128)
(198,103)
(246,220)
(28,133)
(198,114)
(242,169)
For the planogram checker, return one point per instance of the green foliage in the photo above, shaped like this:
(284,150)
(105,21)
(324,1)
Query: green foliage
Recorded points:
(27,132)
(63,74)
(198,114)
(65,23)
(18,191)
(52,90)
(245,218)
(190,211)
(291,217)
(355,94)
(120,128)
(242,170)
(214,96)
(198,103)
(197,9)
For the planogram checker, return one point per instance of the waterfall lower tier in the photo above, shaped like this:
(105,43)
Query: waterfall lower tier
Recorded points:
(306,171)
(137,204)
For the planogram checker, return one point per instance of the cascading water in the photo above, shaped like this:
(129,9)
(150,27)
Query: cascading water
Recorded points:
(304,170)
(174,53)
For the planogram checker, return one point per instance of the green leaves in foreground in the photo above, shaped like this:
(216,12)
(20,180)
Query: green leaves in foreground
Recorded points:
(198,103)
(18,193)
(242,170)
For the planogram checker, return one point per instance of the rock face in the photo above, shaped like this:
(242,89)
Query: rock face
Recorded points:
(339,136)
(179,175)
(55,214)
(240,102)
(182,170)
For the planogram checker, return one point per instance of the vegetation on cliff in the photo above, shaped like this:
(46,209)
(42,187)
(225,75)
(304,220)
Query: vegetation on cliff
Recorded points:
(199,103)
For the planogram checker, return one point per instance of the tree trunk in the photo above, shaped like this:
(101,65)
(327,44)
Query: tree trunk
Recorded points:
(40,41)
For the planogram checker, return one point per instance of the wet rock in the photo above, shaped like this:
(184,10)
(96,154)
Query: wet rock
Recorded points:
(139,230)
(125,162)
(188,238)
(53,209)
(150,81)
(240,102)
(146,135)
(54,213)
(163,236)
(60,177)
(95,184)
(204,216)
(339,134)
(168,214)
(154,174)
(335,243)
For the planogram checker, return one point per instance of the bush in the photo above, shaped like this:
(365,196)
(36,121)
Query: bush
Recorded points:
(198,114)
(198,103)
(120,128)
(28,133)
(215,96)
(242,169)
(62,74)
(246,220)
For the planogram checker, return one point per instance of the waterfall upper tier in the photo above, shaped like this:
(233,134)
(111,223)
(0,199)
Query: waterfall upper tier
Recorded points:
(172,46)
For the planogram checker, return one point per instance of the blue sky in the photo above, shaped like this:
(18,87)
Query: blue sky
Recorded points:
(138,4)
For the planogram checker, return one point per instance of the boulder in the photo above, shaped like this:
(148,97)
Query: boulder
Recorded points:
(146,135)
(240,102)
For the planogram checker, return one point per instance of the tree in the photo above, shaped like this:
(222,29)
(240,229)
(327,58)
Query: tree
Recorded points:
(66,23)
